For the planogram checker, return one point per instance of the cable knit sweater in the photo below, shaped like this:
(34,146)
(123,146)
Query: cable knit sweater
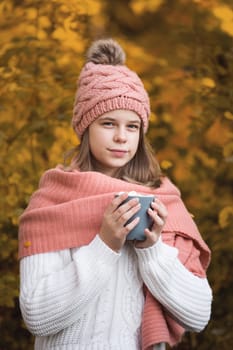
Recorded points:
(84,295)
(91,298)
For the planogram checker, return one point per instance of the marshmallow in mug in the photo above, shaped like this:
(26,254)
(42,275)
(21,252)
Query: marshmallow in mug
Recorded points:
(135,194)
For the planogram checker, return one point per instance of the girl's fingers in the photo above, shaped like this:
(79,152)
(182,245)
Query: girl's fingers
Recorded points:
(151,239)
(160,209)
(116,202)
(124,214)
(158,213)
(159,220)
(123,211)
(119,199)
(131,225)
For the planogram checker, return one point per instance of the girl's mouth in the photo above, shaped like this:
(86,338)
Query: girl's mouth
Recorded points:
(118,153)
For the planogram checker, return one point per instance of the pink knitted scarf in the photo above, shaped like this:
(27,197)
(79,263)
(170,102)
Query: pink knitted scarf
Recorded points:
(66,211)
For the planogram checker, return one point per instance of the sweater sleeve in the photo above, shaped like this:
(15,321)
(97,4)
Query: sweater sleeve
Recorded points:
(57,288)
(185,296)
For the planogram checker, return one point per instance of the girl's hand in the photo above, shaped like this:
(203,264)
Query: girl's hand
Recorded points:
(159,216)
(113,230)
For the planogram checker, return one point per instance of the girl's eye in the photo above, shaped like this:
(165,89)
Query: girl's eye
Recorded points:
(107,123)
(133,126)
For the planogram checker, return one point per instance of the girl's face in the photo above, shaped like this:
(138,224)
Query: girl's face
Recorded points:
(113,139)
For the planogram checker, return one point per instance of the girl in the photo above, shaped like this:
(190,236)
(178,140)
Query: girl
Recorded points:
(83,285)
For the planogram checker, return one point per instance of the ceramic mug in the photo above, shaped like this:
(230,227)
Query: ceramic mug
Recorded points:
(145,220)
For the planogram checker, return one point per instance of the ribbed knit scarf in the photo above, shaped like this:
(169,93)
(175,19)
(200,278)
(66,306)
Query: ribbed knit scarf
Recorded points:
(67,210)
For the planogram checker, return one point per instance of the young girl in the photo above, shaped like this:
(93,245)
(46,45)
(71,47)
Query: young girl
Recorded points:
(83,284)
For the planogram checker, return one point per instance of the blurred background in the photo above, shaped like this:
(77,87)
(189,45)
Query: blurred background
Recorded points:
(183,51)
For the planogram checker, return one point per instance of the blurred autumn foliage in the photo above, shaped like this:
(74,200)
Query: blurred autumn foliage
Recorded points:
(183,51)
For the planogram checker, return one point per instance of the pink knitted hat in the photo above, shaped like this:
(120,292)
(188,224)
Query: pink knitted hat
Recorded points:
(106,84)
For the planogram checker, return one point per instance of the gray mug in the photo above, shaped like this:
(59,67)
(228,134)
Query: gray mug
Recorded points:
(145,220)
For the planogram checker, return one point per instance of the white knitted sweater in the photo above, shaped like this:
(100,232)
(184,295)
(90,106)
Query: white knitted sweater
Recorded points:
(91,298)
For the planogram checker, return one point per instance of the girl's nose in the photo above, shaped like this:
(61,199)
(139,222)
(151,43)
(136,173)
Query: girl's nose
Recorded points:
(120,135)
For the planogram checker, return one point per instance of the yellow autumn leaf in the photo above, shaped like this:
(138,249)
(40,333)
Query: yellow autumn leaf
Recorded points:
(166,164)
(66,139)
(13,86)
(167,117)
(228,150)
(68,37)
(59,34)
(64,60)
(15,220)
(12,198)
(22,156)
(90,7)
(5,6)
(153,117)
(228,115)
(32,13)
(208,82)
(41,35)
(225,14)
(163,62)
(139,6)
(44,22)
(29,29)
(206,160)
(225,216)
(93,7)
(228,27)
(14,178)
(158,80)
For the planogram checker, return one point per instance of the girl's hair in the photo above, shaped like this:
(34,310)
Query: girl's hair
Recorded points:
(143,168)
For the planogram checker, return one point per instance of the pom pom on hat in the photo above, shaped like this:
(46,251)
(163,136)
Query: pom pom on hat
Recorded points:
(106,84)
(106,52)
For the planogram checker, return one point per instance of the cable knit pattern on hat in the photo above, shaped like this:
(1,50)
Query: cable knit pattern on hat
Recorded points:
(105,87)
